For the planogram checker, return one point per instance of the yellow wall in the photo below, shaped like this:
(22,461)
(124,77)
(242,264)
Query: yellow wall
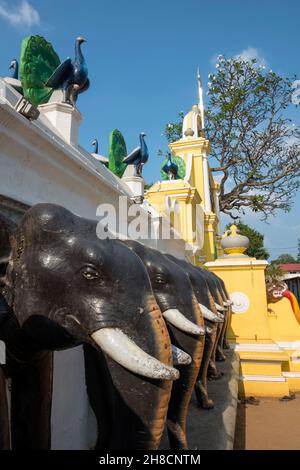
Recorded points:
(250,280)
(282,322)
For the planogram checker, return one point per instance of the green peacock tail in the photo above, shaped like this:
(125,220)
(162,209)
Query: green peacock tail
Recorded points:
(181,168)
(37,63)
(116,153)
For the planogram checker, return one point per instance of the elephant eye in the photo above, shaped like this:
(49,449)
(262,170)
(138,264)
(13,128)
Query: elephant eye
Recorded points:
(159,279)
(90,273)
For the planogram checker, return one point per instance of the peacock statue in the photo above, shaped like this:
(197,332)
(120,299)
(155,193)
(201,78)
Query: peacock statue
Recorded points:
(95,145)
(175,160)
(139,156)
(170,168)
(71,75)
(38,62)
(14,66)
(95,154)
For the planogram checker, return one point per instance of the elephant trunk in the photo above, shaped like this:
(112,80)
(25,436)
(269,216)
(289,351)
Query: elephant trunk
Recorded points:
(138,403)
(183,388)
(127,353)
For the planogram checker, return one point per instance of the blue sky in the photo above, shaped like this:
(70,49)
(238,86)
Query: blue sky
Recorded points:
(142,58)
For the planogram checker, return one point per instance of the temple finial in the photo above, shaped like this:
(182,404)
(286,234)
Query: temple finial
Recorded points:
(200,97)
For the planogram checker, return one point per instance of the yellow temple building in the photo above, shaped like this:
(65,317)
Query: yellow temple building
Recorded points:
(266,337)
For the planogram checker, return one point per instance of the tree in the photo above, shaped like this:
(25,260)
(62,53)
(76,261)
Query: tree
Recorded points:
(256,247)
(273,272)
(148,186)
(255,147)
(285,258)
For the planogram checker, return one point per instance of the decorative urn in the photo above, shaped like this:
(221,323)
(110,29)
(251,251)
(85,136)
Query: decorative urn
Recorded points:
(233,243)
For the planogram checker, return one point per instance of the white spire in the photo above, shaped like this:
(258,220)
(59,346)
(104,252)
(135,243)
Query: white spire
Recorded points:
(200,97)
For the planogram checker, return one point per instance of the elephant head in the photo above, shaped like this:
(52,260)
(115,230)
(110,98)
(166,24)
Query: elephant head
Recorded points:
(226,303)
(212,320)
(64,287)
(178,304)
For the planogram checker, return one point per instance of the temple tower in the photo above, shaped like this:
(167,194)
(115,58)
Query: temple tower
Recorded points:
(194,193)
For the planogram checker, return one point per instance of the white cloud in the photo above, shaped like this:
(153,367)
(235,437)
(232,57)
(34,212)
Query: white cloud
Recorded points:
(246,54)
(22,15)
(251,53)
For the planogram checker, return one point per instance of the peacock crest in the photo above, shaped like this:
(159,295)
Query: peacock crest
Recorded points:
(37,63)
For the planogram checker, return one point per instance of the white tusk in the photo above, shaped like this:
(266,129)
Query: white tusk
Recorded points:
(126,352)
(220,308)
(209,315)
(180,357)
(176,318)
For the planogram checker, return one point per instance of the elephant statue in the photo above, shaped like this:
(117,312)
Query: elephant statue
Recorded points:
(62,287)
(212,321)
(222,342)
(216,292)
(178,304)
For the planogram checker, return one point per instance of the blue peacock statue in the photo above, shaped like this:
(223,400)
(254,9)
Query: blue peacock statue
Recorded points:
(71,75)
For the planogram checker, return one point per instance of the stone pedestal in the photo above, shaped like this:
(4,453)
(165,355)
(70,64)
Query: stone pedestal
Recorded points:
(136,185)
(15,83)
(65,118)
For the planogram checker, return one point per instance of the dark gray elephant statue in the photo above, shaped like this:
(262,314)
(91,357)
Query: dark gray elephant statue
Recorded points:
(222,341)
(61,287)
(212,321)
(174,295)
(216,290)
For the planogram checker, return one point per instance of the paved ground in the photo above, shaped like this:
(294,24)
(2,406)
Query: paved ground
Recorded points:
(214,429)
(272,425)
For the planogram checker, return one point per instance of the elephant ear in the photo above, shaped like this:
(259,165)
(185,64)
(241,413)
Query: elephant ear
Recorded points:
(7,227)
(37,63)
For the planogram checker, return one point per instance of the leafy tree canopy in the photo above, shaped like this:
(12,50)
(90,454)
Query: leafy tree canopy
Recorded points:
(255,146)
(285,258)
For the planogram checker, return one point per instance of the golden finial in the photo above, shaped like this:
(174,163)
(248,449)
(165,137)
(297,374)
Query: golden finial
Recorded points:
(233,230)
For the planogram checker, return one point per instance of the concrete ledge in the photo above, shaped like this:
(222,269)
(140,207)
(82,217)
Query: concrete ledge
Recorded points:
(214,429)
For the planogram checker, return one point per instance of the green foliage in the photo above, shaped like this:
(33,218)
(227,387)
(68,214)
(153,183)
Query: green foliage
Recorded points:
(181,168)
(38,62)
(273,272)
(285,258)
(256,247)
(255,146)
(172,132)
(116,153)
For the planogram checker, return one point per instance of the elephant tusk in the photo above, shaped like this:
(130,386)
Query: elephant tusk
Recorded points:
(126,352)
(208,330)
(180,358)
(211,316)
(176,318)
(220,308)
